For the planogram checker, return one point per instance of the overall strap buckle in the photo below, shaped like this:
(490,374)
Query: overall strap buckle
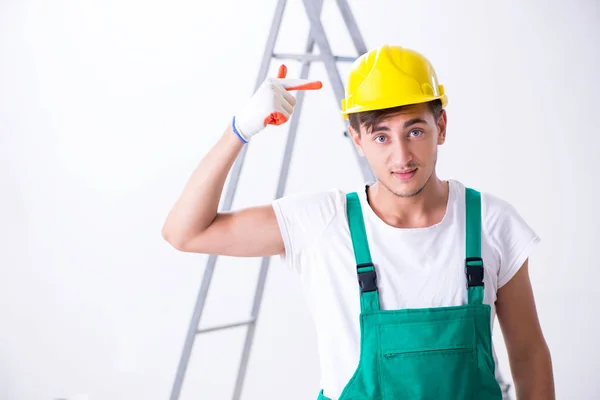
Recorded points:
(474,270)
(367,280)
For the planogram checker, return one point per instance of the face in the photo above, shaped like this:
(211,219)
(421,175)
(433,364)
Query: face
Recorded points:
(402,148)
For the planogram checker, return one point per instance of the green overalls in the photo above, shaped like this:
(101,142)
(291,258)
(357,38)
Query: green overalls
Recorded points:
(442,353)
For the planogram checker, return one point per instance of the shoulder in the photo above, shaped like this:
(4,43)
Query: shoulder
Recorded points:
(319,204)
(495,210)
(506,228)
(507,232)
(308,214)
(304,217)
(500,218)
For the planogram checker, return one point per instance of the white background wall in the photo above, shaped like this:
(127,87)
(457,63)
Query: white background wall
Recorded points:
(107,106)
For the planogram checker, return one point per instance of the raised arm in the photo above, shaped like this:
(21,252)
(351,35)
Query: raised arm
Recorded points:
(194,223)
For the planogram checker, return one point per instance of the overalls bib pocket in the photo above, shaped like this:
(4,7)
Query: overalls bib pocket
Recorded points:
(420,360)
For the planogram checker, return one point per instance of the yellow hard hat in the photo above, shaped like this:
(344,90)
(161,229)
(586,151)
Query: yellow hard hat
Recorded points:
(390,76)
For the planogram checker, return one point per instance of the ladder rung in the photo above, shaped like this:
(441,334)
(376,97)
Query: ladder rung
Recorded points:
(311,57)
(221,327)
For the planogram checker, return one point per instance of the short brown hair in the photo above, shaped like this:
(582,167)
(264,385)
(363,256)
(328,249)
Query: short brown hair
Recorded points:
(370,118)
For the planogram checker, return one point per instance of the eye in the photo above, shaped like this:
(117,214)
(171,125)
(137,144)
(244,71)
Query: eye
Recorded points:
(416,133)
(380,138)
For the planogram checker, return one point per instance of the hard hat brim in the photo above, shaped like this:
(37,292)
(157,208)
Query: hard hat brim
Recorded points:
(376,107)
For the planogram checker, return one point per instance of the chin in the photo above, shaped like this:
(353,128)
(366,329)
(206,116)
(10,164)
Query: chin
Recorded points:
(409,192)
(405,189)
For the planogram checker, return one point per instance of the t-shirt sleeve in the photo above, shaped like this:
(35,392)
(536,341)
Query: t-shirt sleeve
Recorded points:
(512,237)
(302,219)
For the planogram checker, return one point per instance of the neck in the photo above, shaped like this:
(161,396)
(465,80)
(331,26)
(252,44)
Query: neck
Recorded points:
(419,211)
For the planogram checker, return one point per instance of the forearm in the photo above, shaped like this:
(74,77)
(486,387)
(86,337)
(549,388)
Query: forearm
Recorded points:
(533,376)
(188,222)
(197,206)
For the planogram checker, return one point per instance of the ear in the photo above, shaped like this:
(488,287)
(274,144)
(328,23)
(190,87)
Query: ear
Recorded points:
(441,125)
(356,139)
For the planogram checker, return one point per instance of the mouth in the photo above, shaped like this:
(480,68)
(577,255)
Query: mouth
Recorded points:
(405,175)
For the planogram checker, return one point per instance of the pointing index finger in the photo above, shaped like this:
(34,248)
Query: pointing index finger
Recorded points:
(301,84)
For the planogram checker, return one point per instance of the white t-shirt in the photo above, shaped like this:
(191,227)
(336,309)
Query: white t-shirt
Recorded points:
(422,267)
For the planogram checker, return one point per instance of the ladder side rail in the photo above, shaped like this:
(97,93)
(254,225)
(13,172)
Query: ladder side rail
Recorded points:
(226,205)
(335,79)
(281,184)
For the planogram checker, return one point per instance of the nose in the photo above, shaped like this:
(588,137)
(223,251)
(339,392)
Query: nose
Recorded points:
(401,152)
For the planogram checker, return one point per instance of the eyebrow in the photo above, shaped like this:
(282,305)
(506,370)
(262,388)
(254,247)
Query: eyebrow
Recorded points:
(408,123)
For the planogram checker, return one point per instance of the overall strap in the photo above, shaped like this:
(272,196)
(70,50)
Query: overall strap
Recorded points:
(473,261)
(367,277)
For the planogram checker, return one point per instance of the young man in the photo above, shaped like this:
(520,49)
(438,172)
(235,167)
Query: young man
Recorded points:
(405,276)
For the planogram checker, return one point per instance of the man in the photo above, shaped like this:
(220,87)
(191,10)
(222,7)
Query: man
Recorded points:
(405,276)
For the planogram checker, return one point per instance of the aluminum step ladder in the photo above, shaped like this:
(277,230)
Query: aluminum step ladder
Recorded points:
(316,36)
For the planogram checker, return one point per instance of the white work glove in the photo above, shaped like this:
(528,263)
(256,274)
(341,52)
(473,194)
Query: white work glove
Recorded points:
(271,104)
